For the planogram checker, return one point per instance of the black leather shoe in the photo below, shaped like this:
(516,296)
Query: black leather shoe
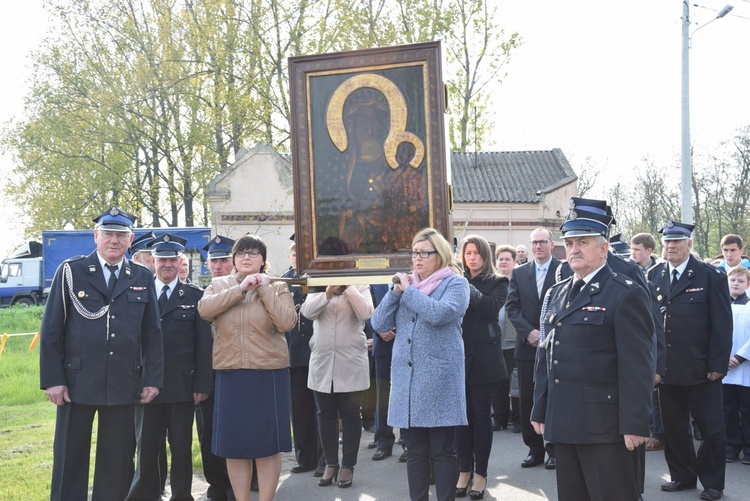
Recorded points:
(676,486)
(402,457)
(532,460)
(372,445)
(319,471)
(551,464)
(381,454)
(711,494)
(301,468)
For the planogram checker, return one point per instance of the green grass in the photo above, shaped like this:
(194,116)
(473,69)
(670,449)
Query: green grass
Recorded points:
(27,419)
(18,319)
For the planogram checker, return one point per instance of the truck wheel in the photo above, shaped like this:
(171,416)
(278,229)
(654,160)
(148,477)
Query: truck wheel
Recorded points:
(24,301)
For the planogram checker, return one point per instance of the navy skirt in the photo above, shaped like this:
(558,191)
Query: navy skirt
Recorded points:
(251,413)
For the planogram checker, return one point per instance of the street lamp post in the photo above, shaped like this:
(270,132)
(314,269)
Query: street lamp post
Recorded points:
(685,150)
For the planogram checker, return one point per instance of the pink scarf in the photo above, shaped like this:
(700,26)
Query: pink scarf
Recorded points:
(431,283)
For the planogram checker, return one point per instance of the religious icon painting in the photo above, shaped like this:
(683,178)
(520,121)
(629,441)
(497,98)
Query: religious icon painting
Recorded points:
(369,157)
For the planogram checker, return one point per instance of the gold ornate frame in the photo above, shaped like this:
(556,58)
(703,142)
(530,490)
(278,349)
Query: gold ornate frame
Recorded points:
(369,159)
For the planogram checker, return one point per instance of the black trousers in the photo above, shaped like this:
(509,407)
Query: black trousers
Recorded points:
(384,436)
(474,442)
(72,448)
(158,421)
(737,419)
(595,472)
(505,407)
(331,407)
(214,467)
(705,402)
(436,446)
(304,419)
(534,441)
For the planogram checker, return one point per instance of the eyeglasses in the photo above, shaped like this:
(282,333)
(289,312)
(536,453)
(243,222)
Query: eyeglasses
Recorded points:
(422,254)
(243,254)
(534,243)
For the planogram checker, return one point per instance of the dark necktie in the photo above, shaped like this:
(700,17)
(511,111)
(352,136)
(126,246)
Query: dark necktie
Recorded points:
(575,289)
(112,277)
(163,298)
(673,283)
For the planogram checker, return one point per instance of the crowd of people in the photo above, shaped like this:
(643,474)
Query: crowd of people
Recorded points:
(594,359)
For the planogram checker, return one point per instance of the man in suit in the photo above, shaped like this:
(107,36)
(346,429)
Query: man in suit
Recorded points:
(595,367)
(187,379)
(101,351)
(694,297)
(219,257)
(528,285)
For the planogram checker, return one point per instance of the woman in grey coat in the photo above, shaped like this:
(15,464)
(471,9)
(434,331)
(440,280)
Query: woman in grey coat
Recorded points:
(428,397)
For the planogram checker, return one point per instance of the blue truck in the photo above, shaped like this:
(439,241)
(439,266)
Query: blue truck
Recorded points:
(27,275)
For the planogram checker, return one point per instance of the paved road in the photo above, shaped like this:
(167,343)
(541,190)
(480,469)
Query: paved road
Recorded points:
(386,480)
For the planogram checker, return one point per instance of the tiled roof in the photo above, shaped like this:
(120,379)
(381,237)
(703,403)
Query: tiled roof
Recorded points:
(508,176)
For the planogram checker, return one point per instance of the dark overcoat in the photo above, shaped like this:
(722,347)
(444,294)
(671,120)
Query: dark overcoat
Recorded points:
(103,356)
(595,372)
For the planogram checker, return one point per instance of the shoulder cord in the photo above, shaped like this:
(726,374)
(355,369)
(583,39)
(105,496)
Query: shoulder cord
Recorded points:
(76,303)
(543,315)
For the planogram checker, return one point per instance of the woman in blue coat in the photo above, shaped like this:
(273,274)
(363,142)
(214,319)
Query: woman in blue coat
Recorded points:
(428,395)
(485,364)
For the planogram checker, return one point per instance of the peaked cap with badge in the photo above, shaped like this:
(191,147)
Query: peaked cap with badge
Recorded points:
(587,217)
(140,244)
(219,247)
(167,245)
(619,244)
(675,230)
(115,220)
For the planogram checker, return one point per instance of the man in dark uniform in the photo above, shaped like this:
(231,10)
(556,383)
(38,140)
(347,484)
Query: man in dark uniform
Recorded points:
(618,264)
(304,413)
(187,379)
(139,251)
(101,352)
(219,256)
(694,297)
(528,285)
(595,367)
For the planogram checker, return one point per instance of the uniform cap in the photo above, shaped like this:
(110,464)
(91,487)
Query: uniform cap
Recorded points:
(675,230)
(115,220)
(219,247)
(140,243)
(167,245)
(620,245)
(587,217)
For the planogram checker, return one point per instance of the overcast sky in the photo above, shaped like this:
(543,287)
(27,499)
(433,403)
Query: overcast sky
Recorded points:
(597,79)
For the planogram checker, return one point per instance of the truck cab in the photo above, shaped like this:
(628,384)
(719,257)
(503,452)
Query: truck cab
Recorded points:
(20,280)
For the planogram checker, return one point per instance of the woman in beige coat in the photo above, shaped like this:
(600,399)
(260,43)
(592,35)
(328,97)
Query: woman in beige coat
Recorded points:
(339,372)
(252,395)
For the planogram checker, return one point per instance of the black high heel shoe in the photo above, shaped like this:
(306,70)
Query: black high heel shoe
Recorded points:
(462,491)
(347,483)
(475,495)
(326,481)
